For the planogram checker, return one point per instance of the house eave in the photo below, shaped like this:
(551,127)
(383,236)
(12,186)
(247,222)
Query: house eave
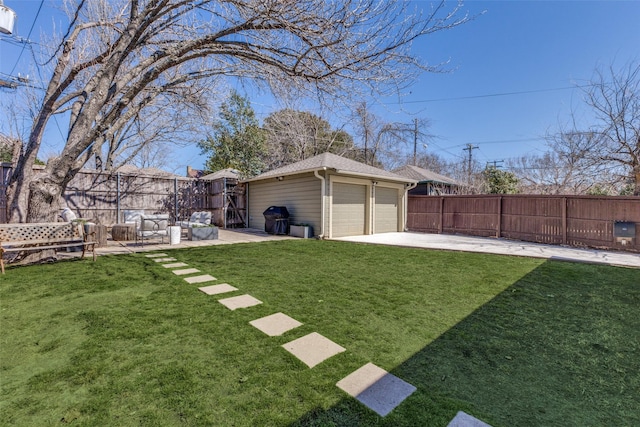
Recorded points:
(275,176)
(398,179)
(380,177)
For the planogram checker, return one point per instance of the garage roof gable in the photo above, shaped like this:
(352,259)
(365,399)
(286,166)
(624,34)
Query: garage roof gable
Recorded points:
(326,161)
(424,175)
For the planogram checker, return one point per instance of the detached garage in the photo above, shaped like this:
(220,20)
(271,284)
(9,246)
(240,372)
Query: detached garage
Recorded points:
(336,196)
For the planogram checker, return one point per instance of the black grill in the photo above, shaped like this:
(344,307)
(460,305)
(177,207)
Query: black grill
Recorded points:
(276,220)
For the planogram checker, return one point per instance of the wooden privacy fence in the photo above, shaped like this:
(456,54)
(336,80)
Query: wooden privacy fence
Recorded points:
(103,197)
(586,221)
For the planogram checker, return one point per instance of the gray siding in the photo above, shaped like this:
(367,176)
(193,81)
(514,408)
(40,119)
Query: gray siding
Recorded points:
(300,194)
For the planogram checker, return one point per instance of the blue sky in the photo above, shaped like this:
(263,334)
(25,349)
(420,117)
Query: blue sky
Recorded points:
(534,50)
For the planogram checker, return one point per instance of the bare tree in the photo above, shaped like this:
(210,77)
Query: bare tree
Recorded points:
(614,96)
(605,158)
(388,144)
(573,164)
(434,163)
(117,57)
(297,135)
(170,120)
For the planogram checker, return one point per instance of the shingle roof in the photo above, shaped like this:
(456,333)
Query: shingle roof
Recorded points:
(134,170)
(332,161)
(423,175)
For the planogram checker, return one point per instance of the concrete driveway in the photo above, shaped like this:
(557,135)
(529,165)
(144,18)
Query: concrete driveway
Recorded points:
(498,246)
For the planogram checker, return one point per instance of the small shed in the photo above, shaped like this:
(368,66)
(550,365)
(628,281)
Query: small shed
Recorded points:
(226,196)
(335,195)
(429,183)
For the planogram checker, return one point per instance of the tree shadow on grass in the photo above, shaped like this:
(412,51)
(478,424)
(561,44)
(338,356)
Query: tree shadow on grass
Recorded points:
(559,347)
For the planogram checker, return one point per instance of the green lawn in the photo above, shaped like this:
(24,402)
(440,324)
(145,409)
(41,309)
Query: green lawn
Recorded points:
(512,341)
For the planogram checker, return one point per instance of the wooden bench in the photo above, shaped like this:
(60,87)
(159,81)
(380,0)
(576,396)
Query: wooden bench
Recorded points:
(40,236)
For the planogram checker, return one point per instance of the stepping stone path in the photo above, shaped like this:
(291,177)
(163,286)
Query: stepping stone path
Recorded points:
(372,386)
(462,419)
(313,349)
(243,301)
(199,279)
(185,271)
(377,389)
(175,265)
(218,289)
(276,324)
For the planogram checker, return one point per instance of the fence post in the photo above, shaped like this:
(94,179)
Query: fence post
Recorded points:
(118,197)
(175,199)
(499,230)
(440,226)
(564,220)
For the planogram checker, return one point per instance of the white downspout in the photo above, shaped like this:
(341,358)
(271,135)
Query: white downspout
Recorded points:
(322,195)
(406,203)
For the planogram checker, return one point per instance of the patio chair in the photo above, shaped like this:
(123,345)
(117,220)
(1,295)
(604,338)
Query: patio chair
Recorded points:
(196,219)
(152,226)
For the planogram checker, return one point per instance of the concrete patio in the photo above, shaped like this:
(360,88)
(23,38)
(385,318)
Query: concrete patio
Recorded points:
(406,239)
(225,237)
(499,246)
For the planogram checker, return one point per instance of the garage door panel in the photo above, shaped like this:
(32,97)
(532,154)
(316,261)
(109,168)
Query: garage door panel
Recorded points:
(386,210)
(348,213)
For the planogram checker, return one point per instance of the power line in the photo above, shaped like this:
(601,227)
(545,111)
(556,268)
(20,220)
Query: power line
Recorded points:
(33,24)
(490,95)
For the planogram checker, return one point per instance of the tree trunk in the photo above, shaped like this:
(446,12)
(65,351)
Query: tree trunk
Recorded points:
(33,197)
(44,199)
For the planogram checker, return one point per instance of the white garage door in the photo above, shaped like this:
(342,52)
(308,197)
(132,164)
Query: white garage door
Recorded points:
(348,210)
(386,212)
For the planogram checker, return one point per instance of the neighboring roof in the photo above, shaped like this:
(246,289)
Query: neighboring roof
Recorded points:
(423,175)
(133,170)
(194,173)
(335,162)
(224,173)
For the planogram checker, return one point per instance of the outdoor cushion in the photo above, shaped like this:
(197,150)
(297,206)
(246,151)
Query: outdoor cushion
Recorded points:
(132,215)
(197,218)
(205,218)
(68,215)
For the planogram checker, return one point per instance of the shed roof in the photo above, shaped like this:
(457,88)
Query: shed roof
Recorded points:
(224,173)
(424,175)
(332,161)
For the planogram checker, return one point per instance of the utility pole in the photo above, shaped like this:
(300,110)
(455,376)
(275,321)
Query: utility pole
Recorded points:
(365,128)
(415,141)
(469,148)
(495,164)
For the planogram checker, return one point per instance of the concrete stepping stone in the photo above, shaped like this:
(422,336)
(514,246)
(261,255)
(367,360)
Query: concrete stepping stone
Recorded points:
(313,349)
(462,419)
(186,271)
(242,301)
(175,265)
(156,255)
(217,289)
(164,259)
(375,388)
(200,279)
(276,324)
